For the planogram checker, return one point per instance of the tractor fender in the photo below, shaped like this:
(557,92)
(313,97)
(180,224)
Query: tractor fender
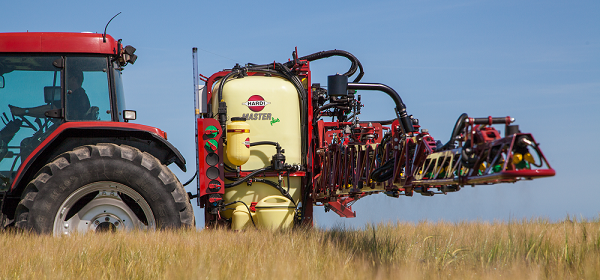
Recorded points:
(74,134)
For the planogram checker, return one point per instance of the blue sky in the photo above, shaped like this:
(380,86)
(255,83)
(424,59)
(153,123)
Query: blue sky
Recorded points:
(536,61)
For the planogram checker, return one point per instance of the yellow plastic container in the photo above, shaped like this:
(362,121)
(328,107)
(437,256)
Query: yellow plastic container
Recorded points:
(258,191)
(241,218)
(275,212)
(238,141)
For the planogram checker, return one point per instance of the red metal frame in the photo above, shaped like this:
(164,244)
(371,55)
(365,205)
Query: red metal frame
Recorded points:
(57,42)
(205,187)
(346,164)
(75,125)
(343,206)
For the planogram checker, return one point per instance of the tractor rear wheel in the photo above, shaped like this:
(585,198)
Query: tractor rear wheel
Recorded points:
(103,187)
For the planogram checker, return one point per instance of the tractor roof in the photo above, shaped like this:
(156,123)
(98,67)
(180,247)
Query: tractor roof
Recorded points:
(56,42)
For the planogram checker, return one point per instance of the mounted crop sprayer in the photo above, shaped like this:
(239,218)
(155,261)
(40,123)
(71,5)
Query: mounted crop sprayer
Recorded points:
(71,160)
(266,156)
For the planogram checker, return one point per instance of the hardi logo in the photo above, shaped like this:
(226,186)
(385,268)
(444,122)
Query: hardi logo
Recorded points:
(256,103)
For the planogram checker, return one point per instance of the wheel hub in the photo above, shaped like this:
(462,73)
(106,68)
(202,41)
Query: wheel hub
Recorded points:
(106,212)
(105,222)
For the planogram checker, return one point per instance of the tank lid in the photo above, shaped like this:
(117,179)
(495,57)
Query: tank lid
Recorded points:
(274,201)
(238,119)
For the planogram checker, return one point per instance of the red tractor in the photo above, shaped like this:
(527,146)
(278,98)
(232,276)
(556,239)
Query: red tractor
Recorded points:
(69,159)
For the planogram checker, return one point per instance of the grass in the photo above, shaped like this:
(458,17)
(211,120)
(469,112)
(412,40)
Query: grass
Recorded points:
(534,249)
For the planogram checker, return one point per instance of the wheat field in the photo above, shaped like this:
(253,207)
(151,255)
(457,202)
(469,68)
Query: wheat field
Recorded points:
(528,249)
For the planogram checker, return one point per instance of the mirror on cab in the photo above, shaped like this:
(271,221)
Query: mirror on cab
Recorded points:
(52,94)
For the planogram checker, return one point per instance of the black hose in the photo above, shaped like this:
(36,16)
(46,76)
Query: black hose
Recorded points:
(222,83)
(458,127)
(384,172)
(340,106)
(380,148)
(190,180)
(384,122)
(260,180)
(232,169)
(264,143)
(222,109)
(229,168)
(304,101)
(325,54)
(285,72)
(539,154)
(249,176)
(331,105)
(405,121)
(275,185)
(249,213)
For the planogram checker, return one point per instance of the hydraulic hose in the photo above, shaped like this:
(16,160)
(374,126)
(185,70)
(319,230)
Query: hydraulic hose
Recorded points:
(304,101)
(403,117)
(331,105)
(249,176)
(279,188)
(223,81)
(264,143)
(260,180)
(384,122)
(340,106)
(325,54)
(222,110)
(458,127)
(384,172)
(190,180)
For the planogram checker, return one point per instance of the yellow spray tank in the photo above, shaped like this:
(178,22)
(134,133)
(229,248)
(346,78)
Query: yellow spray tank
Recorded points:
(271,107)
(238,141)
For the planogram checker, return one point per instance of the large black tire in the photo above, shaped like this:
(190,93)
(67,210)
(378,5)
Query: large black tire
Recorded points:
(103,186)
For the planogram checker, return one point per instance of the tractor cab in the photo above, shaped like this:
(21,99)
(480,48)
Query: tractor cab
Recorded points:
(69,160)
(40,90)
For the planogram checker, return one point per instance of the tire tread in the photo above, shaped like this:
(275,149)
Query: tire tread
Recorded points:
(108,151)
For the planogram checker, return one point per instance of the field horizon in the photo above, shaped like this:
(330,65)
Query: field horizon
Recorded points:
(524,249)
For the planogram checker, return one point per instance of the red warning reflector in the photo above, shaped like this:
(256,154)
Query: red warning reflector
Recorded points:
(214,199)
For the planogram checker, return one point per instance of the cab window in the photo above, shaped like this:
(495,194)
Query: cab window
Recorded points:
(32,86)
(87,95)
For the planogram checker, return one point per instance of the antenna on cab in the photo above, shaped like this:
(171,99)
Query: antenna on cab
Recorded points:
(104,35)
